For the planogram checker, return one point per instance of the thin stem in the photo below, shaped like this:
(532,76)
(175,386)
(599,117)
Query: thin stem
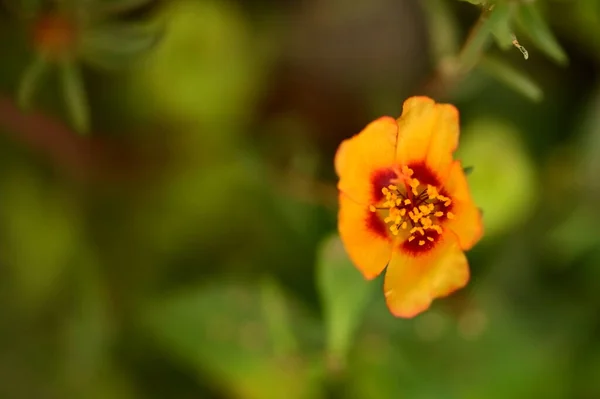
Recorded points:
(475,43)
(84,158)
(452,70)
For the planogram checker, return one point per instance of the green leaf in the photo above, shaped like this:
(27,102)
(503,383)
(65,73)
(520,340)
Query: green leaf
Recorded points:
(117,45)
(222,330)
(40,229)
(475,2)
(443,28)
(277,318)
(502,30)
(508,195)
(533,24)
(490,20)
(468,170)
(344,295)
(88,329)
(512,77)
(30,80)
(380,370)
(204,69)
(75,96)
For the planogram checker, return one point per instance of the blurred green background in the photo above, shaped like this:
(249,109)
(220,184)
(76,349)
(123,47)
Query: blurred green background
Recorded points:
(168,202)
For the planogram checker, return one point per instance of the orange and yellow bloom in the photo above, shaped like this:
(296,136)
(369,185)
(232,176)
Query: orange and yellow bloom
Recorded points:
(405,204)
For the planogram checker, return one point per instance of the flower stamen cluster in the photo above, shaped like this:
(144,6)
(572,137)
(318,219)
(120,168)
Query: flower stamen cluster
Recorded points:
(414,207)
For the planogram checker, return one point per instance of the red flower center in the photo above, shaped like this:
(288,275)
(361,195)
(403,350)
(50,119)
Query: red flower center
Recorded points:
(413,205)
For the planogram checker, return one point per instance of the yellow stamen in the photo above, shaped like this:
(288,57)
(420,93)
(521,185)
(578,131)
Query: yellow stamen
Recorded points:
(414,183)
(414,215)
(432,192)
(424,209)
(417,214)
(426,222)
(417,229)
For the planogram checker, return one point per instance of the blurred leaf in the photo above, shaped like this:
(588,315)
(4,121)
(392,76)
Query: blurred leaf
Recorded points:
(484,331)
(489,21)
(75,96)
(512,77)
(88,331)
(117,45)
(471,351)
(379,370)
(589,147)
(468,170)
(475,2)
(221,329)
(31,80)
(443,29)
(505,183)
(574,236)
(197,196)
(502,31)
(582,22)
(206,70)
(114,382)
(533,24)
(344,295)
(277,318)
(39,230)
(89,337)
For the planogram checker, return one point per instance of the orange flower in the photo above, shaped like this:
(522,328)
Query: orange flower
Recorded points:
(405,203)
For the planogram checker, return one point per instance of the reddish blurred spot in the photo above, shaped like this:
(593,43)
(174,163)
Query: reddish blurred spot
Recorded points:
(89,159)
(55,35)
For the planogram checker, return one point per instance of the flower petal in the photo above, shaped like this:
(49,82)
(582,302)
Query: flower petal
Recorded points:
(427,132)
(413,282)
(359,157)
(467,222)
(365,237)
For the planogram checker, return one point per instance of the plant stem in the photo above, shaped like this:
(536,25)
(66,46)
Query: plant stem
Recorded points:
(450,71)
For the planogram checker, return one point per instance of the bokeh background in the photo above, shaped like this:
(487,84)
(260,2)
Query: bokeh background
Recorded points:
(168,202)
